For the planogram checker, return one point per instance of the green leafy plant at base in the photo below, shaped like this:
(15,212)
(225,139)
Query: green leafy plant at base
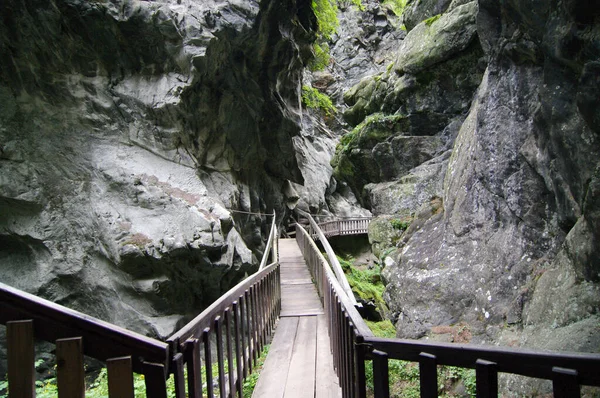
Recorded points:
(251,380)
(314,99)
(397,6)
(401,224)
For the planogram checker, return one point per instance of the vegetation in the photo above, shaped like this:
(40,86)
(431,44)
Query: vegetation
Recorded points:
(322,57)
(397,6)
(365,283)
(314,99)
(327,25)
(430,21)
(404,376)
(401,223)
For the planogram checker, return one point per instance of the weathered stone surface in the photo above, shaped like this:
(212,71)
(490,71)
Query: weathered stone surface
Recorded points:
(433,42)
(417,11)
(130,132)
(514,243)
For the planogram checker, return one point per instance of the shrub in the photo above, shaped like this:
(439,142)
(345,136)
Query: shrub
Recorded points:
(314,99)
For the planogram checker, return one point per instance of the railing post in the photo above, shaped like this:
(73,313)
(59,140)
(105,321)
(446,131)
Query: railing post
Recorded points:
(120,377)
(194,365)
(69,368)
(208,362)
(381,377)
(179,375)
(360,378)
(21,358)
(487,379)
(428,375)
(155,379)
(564,383)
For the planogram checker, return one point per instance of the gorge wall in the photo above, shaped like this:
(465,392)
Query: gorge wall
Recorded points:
(142,144)
(481,140)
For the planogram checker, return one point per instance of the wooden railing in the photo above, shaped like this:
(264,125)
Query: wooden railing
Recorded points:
(350,226)
(28,317)
(314,231)
(230,333)
(346,326)
(239,323)
(353,344)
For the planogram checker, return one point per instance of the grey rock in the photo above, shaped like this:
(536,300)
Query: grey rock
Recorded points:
(130,133)
(417,11)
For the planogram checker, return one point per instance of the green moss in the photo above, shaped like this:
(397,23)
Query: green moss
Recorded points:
(327,20)
(396,5)
(430,21)
(314,99)
(401,223)
(382,329)
(365,283)
(322,57)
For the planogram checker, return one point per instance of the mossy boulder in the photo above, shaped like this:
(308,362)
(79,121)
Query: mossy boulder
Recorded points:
(438,39)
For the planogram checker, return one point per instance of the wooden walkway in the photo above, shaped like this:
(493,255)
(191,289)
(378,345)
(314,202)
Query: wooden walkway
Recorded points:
(299,363)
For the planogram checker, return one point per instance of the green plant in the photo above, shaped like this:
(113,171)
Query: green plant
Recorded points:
(365,283)
(430,21)
(327,20)
(397,6)
(3,388)
(383,328)
(251,380)
(401,224)
(314,99)
(322,57)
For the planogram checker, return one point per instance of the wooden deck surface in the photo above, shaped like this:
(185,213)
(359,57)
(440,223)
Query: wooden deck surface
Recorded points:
(299,363)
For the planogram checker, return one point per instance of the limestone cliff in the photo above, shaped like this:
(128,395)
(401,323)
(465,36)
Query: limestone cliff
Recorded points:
(133,136)
(484,134)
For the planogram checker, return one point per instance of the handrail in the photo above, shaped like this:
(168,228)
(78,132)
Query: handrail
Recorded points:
(272,244)
(196,326)
(525,362)
(349,226)
(103,340)
(75,334)
(244,317)
(353,344)
(335,264)
(346,327)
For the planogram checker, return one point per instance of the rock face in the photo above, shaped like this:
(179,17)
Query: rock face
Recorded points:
(518,217)
(497,171)
(130,133)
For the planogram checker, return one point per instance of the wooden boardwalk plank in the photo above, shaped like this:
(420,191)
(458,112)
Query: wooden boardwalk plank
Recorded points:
(299,363)
(300,299)
(273,376)
(301,377)
(326,381)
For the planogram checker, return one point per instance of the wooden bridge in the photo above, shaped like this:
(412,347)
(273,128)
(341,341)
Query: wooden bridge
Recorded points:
(320,344)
